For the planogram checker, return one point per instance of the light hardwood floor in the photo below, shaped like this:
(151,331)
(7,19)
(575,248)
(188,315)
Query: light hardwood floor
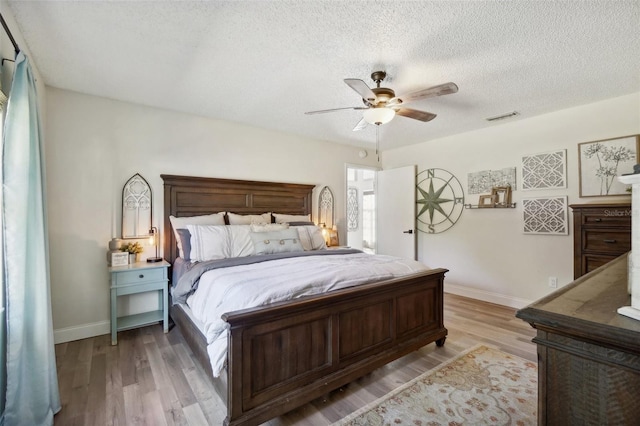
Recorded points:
(150,378)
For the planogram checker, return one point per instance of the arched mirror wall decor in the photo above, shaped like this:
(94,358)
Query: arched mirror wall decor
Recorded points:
(325,207)
(137,204)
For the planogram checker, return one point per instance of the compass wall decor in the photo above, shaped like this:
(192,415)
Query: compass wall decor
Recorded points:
(439,200)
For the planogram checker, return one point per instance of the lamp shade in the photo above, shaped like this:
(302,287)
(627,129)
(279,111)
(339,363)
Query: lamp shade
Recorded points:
(380,115)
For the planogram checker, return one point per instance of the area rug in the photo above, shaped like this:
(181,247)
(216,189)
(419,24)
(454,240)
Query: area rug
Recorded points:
(481,386)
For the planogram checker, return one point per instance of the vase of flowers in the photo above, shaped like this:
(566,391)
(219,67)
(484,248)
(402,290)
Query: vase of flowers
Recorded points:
(134,250)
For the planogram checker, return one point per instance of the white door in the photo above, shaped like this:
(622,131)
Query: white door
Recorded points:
(396,201)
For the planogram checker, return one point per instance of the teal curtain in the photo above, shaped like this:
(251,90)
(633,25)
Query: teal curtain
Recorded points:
(32,396)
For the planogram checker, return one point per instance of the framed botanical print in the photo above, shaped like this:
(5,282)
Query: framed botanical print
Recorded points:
(601,162)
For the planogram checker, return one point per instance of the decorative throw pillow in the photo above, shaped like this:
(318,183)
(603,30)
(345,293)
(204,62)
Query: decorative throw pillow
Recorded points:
(301,223)
(248,219)
(283,218)
(286,240)
(311,237)
(182,222)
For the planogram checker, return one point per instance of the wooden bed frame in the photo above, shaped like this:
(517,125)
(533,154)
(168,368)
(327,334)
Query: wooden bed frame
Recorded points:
(284,355)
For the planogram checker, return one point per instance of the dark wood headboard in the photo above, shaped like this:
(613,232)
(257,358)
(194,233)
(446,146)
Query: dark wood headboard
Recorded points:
(194,196)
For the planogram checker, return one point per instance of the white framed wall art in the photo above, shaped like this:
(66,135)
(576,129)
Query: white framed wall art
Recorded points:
(546,170)
(545,215)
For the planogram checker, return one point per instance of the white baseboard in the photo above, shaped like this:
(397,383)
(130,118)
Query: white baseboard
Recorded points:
(486,296)
(85,331)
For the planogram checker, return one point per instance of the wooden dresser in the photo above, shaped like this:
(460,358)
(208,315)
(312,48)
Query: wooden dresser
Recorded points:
(588,354)
(601,232)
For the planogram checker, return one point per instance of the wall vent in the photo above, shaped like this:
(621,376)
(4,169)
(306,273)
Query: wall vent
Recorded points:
(503,116)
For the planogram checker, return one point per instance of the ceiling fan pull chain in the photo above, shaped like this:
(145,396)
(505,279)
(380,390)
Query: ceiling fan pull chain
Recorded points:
(378,141)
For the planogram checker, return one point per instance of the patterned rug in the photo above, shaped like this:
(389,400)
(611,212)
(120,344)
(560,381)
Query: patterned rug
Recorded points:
(481,386)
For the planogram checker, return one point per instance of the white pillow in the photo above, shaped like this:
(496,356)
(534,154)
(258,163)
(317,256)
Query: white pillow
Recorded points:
(182,222)
(311,237)
(268,227)
(284,218)
(248,219)
(209,242)
(240,244)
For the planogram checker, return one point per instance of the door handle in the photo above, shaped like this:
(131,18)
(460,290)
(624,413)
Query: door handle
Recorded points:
(410,231)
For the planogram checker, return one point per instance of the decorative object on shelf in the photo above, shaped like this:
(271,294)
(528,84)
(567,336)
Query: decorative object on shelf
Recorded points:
(137,207)
(118,258)
(482,182)
(333,237)
(154,240)
(439,200)
(547,170)
(325,206)
(599,163)
(545,215)
(633,311)
(502,195)
(114,247)
(352,209)
(134,249)
(487,200)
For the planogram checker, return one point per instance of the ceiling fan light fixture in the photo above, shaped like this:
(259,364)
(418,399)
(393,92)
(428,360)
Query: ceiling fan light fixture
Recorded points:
(378,115)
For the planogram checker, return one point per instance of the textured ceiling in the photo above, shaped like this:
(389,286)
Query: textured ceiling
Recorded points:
(265,63)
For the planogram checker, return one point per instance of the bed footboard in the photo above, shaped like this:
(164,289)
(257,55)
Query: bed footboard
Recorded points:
(287,354)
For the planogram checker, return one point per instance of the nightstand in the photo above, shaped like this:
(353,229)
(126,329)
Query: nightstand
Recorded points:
(140,277)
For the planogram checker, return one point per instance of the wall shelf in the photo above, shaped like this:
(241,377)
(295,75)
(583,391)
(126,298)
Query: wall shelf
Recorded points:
(495,206)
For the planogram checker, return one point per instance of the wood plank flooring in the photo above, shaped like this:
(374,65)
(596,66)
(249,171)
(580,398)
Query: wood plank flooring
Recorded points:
(150,378)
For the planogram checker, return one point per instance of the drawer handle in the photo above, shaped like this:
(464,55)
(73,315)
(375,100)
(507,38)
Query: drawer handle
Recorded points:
(142,276)
(598,219)
(609,241)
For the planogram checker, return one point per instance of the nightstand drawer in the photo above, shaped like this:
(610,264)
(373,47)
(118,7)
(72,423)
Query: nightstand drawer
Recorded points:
(140,276)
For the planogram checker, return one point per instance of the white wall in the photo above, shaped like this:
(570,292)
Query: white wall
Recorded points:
(95,144)
(486,252)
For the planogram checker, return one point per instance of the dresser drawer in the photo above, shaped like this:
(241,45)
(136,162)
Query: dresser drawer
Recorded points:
(140,276)
(607,217)
(608,241)
(591,262)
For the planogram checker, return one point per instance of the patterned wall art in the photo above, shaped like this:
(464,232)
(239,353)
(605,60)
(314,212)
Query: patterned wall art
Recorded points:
(482,182)
(325,207)
(352,209)
(545,215)
(547,170)
(601,162)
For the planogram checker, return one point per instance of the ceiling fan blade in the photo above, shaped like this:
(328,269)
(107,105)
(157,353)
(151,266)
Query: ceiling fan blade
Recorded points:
(415,114)
(363,90)
(322,111)
(440,90)
(361,125)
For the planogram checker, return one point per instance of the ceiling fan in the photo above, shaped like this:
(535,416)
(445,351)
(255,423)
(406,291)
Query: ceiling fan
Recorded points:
(381,103)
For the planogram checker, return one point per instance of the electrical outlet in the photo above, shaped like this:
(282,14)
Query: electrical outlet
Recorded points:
(553,282)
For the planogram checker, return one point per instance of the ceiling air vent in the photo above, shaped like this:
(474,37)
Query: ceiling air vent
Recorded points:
(503,116)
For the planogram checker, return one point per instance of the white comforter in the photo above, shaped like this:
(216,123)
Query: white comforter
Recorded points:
(239,287)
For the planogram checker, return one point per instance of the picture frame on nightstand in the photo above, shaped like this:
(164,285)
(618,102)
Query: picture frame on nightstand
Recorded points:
(120,258)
